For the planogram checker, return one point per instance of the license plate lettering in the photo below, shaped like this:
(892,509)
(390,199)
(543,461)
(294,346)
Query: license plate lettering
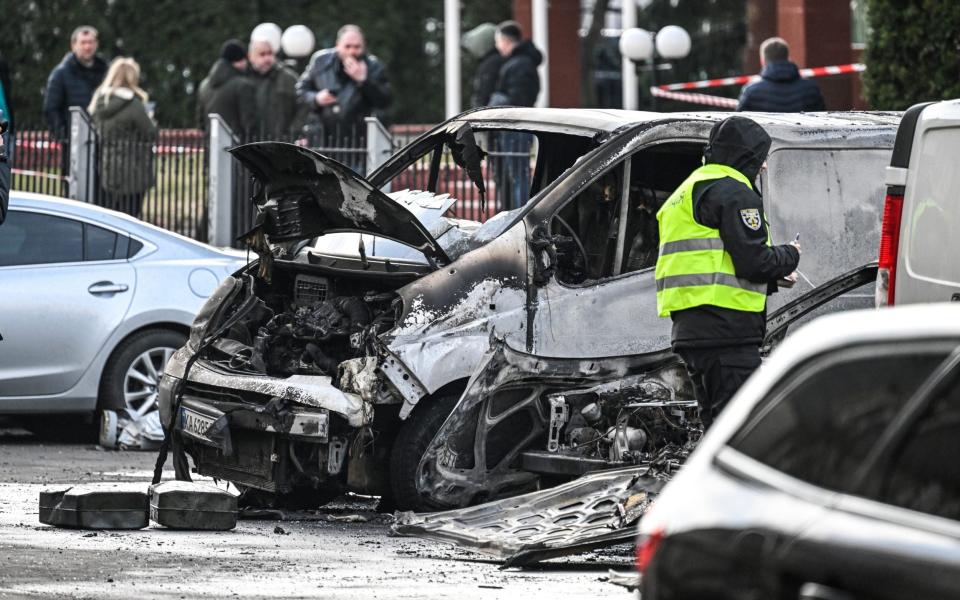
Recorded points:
(194,423)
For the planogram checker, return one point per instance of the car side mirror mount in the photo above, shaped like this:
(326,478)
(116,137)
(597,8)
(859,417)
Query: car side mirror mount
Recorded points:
(544,256)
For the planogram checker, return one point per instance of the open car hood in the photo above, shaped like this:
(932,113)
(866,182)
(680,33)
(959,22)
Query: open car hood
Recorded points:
(302,194)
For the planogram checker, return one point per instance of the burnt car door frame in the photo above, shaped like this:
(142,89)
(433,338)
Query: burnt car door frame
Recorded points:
(637,286)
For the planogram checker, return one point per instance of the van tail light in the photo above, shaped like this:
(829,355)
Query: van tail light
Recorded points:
(647,547)
(889,247)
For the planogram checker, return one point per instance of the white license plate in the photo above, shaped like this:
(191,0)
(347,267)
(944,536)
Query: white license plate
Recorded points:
(195,424)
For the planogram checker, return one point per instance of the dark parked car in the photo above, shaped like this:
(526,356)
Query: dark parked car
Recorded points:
(832,475)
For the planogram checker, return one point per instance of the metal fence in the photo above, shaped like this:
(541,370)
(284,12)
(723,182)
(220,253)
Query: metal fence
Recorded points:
(161,180)
(184,180)
(344,144)
(37,161)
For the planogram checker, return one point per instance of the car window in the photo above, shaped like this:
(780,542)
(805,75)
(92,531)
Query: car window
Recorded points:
(597,237)
(585,230)
(924,473)
(98,243)
(822,421)
(932,206)
(31,238)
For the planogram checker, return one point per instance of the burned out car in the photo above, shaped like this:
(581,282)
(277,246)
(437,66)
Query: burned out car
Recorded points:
(526,422)
(326,366)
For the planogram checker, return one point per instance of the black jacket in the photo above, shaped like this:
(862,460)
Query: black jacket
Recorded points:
(354,101)
(485,78)
(518,83)
(277,108)
(231,94)
(781,89)
(727,205)
(70,84)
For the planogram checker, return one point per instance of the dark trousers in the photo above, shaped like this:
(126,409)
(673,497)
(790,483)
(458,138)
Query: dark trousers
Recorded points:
(717,374)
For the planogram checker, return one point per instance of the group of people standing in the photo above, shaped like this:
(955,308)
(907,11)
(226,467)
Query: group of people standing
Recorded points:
(260,97)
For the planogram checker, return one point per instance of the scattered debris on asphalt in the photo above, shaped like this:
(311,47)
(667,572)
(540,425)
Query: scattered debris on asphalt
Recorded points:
(597,510)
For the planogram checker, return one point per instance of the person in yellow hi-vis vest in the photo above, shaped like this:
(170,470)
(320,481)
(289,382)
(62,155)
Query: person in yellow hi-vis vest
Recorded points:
(717,264)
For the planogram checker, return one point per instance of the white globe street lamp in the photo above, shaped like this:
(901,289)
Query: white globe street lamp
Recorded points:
(672,43)
(636,44)
(297,41)
(268,32)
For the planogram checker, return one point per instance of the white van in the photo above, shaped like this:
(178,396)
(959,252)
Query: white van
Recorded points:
(919,257)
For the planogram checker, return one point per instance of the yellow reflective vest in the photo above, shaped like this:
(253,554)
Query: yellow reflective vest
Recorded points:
(693,269)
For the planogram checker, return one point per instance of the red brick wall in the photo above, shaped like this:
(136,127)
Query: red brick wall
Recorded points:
(818,32)
(564,21)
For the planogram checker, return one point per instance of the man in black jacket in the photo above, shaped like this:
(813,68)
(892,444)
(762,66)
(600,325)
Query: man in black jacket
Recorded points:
(73,81)
(719,320)
(518,84)
(229,92)
(780,89)
(341,87)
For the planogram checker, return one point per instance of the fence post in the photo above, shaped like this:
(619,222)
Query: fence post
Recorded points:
(219,200)
(379,144)
(83,153)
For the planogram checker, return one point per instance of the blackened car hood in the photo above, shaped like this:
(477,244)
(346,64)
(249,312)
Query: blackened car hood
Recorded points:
(301,194)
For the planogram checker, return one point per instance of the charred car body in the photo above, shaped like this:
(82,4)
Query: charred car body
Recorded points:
(333,360)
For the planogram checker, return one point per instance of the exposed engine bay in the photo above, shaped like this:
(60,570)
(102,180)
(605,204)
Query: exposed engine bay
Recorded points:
(527,422)
(303,324)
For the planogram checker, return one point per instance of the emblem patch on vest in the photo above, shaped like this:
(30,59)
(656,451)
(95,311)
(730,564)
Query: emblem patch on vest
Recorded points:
(751,217)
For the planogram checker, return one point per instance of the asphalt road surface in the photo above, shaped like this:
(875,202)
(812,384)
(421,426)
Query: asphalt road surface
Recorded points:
(313,557)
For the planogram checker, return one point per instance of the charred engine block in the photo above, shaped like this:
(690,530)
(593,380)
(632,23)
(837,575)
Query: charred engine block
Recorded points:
(312,339)
(621,425)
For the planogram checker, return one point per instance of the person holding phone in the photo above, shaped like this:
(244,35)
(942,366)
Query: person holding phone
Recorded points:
(341,87)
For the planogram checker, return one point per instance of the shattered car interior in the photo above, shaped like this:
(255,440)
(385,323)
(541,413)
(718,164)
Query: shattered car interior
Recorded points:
(374,320)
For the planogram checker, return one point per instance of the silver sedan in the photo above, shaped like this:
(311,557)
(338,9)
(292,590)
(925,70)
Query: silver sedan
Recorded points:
(93,303)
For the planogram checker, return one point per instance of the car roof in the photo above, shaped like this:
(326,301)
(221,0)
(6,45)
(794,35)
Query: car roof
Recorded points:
(915,322)
(780,126)
(112,218)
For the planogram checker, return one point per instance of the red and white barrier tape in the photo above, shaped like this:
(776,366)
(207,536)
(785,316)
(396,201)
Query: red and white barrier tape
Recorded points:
(695,98)
(28,173)
(744,79)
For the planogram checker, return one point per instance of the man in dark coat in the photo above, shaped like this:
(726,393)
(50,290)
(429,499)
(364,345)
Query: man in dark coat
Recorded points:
(479,42)
(341,87)
(719,321)
(780,89)
(229,92)
(276,94)
(518,84)
(72,82)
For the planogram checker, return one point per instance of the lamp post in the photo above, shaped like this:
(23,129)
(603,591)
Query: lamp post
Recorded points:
(672,43)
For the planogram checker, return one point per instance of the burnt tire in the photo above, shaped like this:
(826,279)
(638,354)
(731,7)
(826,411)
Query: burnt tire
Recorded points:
(414,436)
(132,373)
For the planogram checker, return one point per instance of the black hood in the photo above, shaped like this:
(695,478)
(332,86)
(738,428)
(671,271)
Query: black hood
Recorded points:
(222,72)
(782,71)
(526,48)
(740,143)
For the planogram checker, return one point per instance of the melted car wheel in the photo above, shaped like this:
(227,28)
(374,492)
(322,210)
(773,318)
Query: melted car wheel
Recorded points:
(415,435)
(132,375)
